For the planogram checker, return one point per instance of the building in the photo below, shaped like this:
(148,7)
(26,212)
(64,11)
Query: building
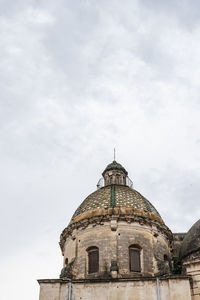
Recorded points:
(117,247)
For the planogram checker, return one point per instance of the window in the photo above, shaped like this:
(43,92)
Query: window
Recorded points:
(124,180)
(93,260)
(66,261)
(165,258)
(117,179)
(134,258)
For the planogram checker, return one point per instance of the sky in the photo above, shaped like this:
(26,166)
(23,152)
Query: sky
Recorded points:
(78,78)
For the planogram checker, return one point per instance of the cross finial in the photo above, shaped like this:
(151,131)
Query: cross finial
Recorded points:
(114,154)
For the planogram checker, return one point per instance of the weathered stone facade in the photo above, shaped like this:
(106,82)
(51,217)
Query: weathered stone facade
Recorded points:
(113,246)
(177,242)
(192,268)
(173,288)
(190,256)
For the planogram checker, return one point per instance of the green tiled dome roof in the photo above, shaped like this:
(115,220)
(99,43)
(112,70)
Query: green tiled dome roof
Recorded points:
(116,196)
(115,166)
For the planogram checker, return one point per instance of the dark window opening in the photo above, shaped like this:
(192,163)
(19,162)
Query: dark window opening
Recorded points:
(165,258)
(93,260)
(134,259)
(66,261)
(124,180)
(117,179)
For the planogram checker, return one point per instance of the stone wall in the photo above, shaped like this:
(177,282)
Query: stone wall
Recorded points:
(177,242)
(114,177)
(70,248)
(53,290)
(113,240)
(175,288)
(193,268)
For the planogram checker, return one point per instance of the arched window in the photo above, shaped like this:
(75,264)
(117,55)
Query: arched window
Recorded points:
(134,258)
(124,180)
(117,179)
(93,260)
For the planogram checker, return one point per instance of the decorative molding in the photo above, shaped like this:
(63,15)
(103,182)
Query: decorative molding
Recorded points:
(118,214)
(139,278)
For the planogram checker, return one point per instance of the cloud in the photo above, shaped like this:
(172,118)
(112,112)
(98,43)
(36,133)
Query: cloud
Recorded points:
(77,79)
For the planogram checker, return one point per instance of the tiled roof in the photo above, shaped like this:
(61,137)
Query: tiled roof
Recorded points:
(115,166)
(115,196)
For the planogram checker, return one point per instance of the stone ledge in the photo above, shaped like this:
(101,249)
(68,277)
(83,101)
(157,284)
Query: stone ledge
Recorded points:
(51,280)
(93,280)
(191,261)
(104,217)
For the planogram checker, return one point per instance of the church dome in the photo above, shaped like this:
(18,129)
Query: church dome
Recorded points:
(110,228)
(115,166)
(191,242)
(116,197)
(125,199)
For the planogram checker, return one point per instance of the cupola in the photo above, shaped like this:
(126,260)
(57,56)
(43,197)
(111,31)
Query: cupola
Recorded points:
(114,173)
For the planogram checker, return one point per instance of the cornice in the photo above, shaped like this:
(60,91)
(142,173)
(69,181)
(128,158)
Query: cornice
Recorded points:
(101,215)
(99,280)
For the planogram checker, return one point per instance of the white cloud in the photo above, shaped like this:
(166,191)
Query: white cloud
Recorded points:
(76,80)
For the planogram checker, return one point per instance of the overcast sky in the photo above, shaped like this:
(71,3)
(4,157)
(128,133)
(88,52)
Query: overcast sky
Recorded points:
(78,78)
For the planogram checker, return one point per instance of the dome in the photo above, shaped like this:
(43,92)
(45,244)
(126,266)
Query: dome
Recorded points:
(112,219)
(121,197)
(115,166)
(191,242)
